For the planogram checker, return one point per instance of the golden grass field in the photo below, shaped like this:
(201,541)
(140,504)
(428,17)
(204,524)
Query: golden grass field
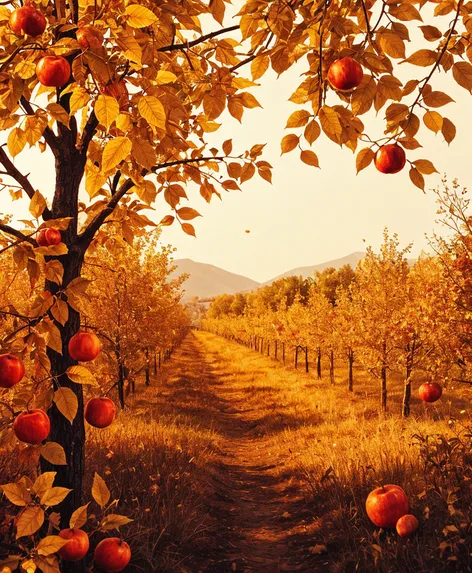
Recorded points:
(232,462)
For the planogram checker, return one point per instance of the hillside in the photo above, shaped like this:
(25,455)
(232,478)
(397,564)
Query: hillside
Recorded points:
(207,281)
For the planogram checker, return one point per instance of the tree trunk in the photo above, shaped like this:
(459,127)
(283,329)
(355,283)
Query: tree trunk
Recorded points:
(407,388)
(318,363)
(307,367)
(331,367)
(350,357)
(155,364)
(383,396)
(296,357)
(148,373)
(121,384)
(283,352)
(159,360)
(268,349)
(276,350)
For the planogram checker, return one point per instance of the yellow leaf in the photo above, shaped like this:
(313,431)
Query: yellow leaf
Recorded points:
(43,483)
(448,130)
(78,100)
(106,109)
(423,58)
(54,271)
(416,178)
(462,73)
(79,518)
(66,402)
(100,491)
(259,66)
(54,496)
(330,123)
(431,33)
(94,181)
(433,121)
(146,191)
(123,123)
(404,12)
(437,99)
(214,103)
(187,213)
(247,172)
(114,521)
(144,153)
(130,47)
(289,142)
(115,151)
(139,16)
(37,205)
(167,220)
(312,131)
(310,158)
(298,118)
(425,166)
(81,375)
(165,77)
(54,453)
(396,112)
(25,69)
(391,44)
(50,544)
(364,158)
(16,493)
(16,141)
(153,111)
(249,100)
(29,521)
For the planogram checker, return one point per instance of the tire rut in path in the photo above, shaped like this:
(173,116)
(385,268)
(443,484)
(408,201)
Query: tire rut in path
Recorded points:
(257,514)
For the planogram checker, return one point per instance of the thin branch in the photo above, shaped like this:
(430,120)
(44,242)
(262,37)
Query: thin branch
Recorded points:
(18,234)
(200,40)
(13,172)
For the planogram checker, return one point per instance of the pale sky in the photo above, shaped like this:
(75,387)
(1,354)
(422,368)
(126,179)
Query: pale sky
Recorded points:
(308,215)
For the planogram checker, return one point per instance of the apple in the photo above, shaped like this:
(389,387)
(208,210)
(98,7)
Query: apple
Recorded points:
(53,71)
(48,237)
(27,20)
(84,346)
(406,525)
(32,426)
(100,412)
(430,392)
(12,370)
(345,74)
(77,546)
(386,504)
(112,555)
(390,158)
(89,37)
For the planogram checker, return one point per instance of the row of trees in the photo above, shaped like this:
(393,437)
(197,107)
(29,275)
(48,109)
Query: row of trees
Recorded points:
(389,315)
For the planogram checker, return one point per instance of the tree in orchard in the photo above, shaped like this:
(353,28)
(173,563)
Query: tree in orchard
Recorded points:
(378,299)
(345,328)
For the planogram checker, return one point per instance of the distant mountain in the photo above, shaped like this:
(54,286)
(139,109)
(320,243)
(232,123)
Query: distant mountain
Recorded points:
(309,271)
(206,281)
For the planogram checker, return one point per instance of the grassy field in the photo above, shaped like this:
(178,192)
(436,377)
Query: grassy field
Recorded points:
(231,462)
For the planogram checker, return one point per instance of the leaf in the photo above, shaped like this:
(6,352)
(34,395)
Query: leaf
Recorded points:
(78,286)
(364,158)
(289,142)
(60,311)
(391,44)
(144,153)
(425,166)
(100,491)
(78,100)
(298,118)
(54,453)
(462,73)
(37,205)
(437,99)
(247,172)
(54,271)
(16,493)
(431,33)
(396,112)
(405,12)
(16,141)
(318,549)
(214,103)
(249,100)
(81,375)
(433,121)
(165,77)
(106,109)
(312,131)
(43,483)
(139,16)
(115,151)
(416,178)
(153,111)
(66,402)
(114,521)
(259,66)
(29,521)
(167,221)
(448,130)
(423,58)
(51,544)
(146,191)
(79,518)
(310,158)
(54,496)
(188,229)
(330,123)
(48,563)
(187,213)
(58,113)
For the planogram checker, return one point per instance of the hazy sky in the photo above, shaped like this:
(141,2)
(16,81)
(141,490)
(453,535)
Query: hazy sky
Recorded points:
(308,215)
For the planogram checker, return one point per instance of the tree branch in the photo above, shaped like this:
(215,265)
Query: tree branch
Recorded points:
(18,234)
(200,40)
(89,132)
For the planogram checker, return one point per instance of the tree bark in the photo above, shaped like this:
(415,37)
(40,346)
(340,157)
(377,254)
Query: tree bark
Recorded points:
(276,350)
(296,357)
(407,388)
(350,383)
(318,363)
(307,366)
(283,352)
(383,392)
(331,367)
(148,374)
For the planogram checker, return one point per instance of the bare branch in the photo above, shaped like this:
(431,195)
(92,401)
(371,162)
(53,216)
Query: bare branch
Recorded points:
(18,234)
(200,40)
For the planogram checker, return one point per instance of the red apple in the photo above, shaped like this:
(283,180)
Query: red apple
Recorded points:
(112,555)
(27,20)
(345,74)
(77,546)
(84,346)
(89,37)
(100,412)
(390,158)
(12,370)
(48,237)
(53,71)
(430,392)
(406,525)
(386,504)
(32,426)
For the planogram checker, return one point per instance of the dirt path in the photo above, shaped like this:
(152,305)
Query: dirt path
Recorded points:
(256,511)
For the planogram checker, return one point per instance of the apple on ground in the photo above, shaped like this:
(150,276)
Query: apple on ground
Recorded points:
(406,525)
(386,504)
(12,370)
(112,555)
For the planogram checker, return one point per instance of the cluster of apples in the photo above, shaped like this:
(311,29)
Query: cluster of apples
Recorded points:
(387,507)
(48,237)
(346,74)
(111,554)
